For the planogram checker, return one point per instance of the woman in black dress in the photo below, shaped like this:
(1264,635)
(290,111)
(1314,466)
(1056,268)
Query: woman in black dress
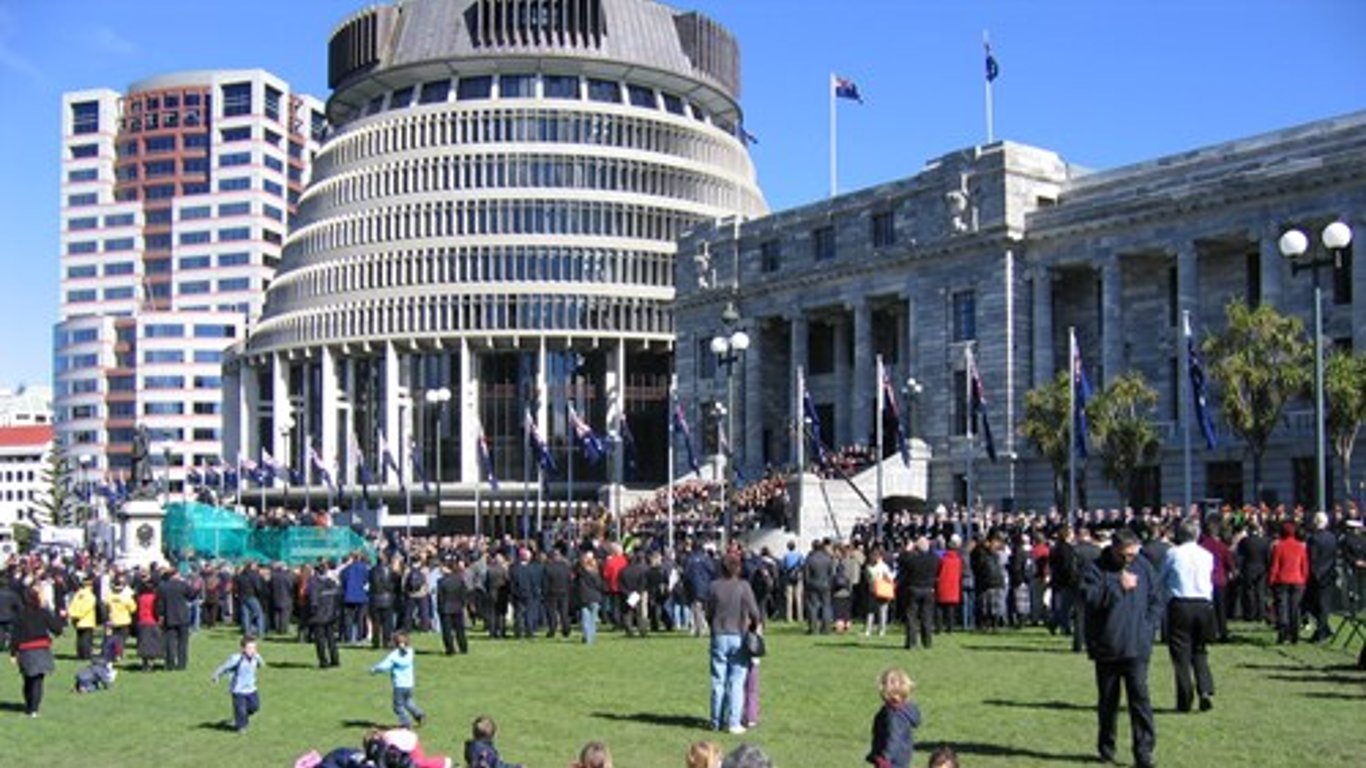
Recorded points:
(31,646)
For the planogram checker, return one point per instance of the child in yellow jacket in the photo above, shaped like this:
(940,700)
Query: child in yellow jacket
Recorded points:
(84,616)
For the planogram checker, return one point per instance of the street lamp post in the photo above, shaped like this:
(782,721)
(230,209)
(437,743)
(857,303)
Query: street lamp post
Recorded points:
(284,428)
(912,391)
(1294,244)
(729,347)
(439,398)
(85,461)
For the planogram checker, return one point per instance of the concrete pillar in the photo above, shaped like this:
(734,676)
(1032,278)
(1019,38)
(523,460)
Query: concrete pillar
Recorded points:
(467,395)
(863,385)
(910,342)
(750,424)
(798,336)
(1112,319)
(1272,263)
(395,434)
(328,432)
(1042,322)
(842,433)
(278,442)
(350,429)
(248,442)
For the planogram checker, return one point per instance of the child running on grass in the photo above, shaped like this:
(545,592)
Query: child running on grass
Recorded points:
(399,664)
(895,724)
(242,666)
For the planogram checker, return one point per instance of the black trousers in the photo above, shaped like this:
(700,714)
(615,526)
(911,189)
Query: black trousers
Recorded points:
(381,627)
(1221,614)
(353,622)
(1133,673)
(1190,628)
(280,616)
(920,616)
(1318,601)
(557,614)
(1254,598)
(177,646)
(1288,598)
(453,632)
(85,643)
(325,643)
(33,693)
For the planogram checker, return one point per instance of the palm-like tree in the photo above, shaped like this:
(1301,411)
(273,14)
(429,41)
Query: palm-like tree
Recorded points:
(1122,425)
(1344,390)
(1045,425)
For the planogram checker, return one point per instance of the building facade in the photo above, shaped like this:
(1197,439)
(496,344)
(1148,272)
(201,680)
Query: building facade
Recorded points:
(495,218)
(25,405)
(24,465)
(998,251)
(176,198)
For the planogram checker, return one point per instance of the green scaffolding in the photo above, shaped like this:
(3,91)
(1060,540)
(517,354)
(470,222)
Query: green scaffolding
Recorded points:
(194,531)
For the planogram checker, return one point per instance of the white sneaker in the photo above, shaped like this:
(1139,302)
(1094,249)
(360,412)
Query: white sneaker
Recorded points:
(736,729)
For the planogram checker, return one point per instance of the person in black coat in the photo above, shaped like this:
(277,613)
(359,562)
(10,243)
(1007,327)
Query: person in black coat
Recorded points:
(1323,576)
(1122,603)
(1254,562)
(282,585)
(31,646)
(555,589)
(525,587)
(920,579)
(384,586)
(451,596)
(817,573)
(9,607)
(324,612)
(173,606)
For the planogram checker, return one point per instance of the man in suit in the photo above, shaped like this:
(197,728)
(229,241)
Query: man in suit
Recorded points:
(817,574)
(525,584)
(1323,576)
(555,588)
(1120,594)
(451,594)
(282,584)
(173,606)
(324,611)
(1254,561)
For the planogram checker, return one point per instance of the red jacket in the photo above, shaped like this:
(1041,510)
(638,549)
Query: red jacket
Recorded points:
(611,571)
(949,588)
(147,610)
(1289,563)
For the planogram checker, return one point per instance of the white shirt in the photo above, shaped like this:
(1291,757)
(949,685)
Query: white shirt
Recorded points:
(1188,572)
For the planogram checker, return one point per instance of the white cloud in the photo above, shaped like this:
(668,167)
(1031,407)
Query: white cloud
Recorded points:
(107,40)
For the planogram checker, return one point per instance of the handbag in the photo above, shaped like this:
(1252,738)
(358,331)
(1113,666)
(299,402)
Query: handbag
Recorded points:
(884,589)
(754,645)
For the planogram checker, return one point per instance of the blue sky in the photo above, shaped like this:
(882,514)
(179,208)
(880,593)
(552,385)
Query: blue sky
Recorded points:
(1103,83)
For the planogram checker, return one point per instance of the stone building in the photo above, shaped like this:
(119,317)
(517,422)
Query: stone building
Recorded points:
(1002,248)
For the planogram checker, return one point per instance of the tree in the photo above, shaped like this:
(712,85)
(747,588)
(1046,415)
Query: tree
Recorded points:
(1046,425)
(1258,362)
(57,502)
(1344,394)
(1121,422)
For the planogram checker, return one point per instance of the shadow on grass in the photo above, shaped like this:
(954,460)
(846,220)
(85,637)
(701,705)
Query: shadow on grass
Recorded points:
(291,665)
(861,646)
(1017,648)
(216,725)
(365,724)
(11,706)
(1064,705)
(1334,695)
(1313,676)
(1006,750)
(690,722)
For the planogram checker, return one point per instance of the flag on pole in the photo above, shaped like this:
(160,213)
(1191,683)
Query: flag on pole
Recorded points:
(845,88)
(387,461)
(323,472)
(745,136)
(993,69)
(212,478)
(628,447)
(814,419)
(486,459)
(681,427)
(980,422)
(357,459)
(1199,392)
(588,442)
(538,446)
(230,479)
(268,468)
(891,409)
(1081,395)
(417,466)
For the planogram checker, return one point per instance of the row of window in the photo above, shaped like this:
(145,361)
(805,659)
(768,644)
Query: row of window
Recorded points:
(178,382)
(189,189)
(493,217)
(113,269)
(177,331)
(522,126)
(418,315)
(205,261)
(458,266)
(110,245)
(455,173)
(226,285)
(83,223)
(90,295)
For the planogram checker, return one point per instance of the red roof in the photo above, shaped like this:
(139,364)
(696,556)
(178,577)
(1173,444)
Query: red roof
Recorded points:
(25,435)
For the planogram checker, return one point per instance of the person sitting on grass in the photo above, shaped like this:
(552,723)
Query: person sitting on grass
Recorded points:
(593,755)
(243,667)
(943,757)
(479,750)
(704,754)
(894,726)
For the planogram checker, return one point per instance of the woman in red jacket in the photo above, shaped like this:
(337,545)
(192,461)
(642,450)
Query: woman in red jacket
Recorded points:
(1289,572)
(948,590)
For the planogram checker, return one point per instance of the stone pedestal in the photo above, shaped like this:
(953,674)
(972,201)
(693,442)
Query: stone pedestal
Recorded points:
(139,534)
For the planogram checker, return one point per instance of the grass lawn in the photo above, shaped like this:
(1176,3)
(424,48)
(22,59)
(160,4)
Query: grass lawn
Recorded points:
(1012,699)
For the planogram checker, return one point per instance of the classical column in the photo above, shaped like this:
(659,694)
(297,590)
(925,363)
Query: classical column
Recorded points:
(751,422)
(1272,263)
(798,336)
(860,394)
(349,429)
(394,435)
(332,443)
(1112,319)
(467,395)
(842,386)
(279,402)
(248,441)
(1358,224)
(911,341)
(1042,322)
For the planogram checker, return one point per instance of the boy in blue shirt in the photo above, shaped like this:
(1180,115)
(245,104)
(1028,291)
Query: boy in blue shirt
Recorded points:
(242,666)
(399,664)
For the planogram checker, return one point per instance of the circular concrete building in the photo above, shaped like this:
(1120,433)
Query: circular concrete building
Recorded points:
(487,246)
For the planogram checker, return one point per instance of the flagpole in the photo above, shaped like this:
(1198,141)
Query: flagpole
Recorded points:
(969,431)
(800,417)
(1184,396)
(990,133)
(669,466)
(834,185)
(1072,425)
(878,393)
(569,456)
(407,488)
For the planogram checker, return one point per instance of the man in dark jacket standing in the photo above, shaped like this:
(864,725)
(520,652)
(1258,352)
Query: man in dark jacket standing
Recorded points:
(250,591)
(1122,603)
(353,582)
(324,607)
(635,600)
(384,586)
(173,605)
(817,573)
(921,577)
(1254,561)
(525,577)
(450,602)
(282,585)
(1323,576)
(555,589)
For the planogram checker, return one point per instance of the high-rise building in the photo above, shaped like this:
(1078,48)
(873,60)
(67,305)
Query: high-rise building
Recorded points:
(494,220)
(176,198)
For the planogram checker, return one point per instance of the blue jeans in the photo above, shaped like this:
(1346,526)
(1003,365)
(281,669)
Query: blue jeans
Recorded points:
(729,666)
(405,708)
(253,618)
(244,705)
(588,621)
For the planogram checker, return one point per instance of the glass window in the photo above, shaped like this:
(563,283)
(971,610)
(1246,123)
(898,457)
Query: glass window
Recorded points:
(195,238)
(118,268)
(160,241)
(121,293)
(236,99)
(642,97)
(158,168)
(126,172)
(516,86)
(234,209)
(164,356)
(272,138)
(474,88)
(155,144)
(195,188)
(118,220)
(163,382)
(273,187)
(401,98)
(207,356)
(317,125)
(964,315)
(233,259)
(673,104)
(274,163)
(197,140)
(233,159)
(272,103)
(82,223)
(158,216)
(163,331)
(84,199)
(1342,277)
(233,234)
(770,256)
(195,212)
(80,151)
(604,90)
(823,243)
(85,117)
(194,288)
(884,229)
(273,212)
(208,382)
(172,408)
(82,247)
(80,297)
(83,174)
(561,86)
(235,284)
(85,270)
(234,185)
(242,133)
(215,331)
(435,92)
(160,192)
(195,262)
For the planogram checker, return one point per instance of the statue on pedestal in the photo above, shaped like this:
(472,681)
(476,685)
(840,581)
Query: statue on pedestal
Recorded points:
(141,484)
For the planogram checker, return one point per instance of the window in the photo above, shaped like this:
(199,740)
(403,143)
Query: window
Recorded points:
(1224,481)
(80,297)
(770,256)
(163,356)
(273,187)
(126,410)
(194,288)
(81,200)
(234,209)
(823,243)
(435,92)
(234,185)
(158,168)
(199,188)
(83,223)
(81,248)
(85,117)
(233,259)
(83,271)
(516,86)
(317,125)
(820,350)
(1173,297)
(158,144)
(121,293)
(201,140)
(195,165)
(273,212)
(206,409)
(673,104)
(274,163)
(1253,272)
(960,405)
(236,99)
(158,216)
(160,192)
(232,159)
(561,86)
(119,220)
(211,356)
(80,151)
(401,98)
(195,238)
(208,382)
(641,96)
(231,135)
(272,103)
(160,241)
(234,234)
(471,88)
(116,244)
(195,262)
(215,332)
(126,172)
(204,434)
(234,284)
(1342,277)
(173,408)
(608,91)
(83,174)
(195,212)
(118,269)
(964,316)
(884,229)
(163,382)
(706,360)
